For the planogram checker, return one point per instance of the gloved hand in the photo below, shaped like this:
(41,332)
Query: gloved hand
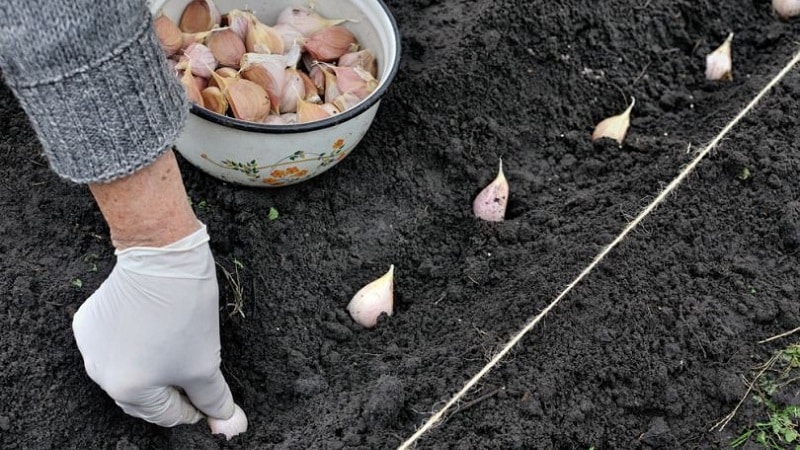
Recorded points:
(149,336)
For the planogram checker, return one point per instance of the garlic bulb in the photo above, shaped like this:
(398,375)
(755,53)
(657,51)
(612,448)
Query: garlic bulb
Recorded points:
(786,8)
(718,63)
(614,127)
(373,300)
(199,15)
(237,424)
(490,204)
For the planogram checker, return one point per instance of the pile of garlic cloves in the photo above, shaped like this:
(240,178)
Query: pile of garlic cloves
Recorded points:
(303,68)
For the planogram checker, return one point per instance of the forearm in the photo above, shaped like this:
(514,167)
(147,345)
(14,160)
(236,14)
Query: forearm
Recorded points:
(149,208)
(95,84)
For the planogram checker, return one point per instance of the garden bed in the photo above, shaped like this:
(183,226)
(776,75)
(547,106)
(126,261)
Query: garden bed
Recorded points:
(647,352)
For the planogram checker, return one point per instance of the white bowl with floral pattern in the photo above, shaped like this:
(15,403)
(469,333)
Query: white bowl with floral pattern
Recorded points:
(262,155)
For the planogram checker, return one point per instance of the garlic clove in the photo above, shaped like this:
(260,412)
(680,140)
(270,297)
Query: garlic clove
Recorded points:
(331,86)
(247,100)
(309,112)
(346,101)
(214,100)
(372,300)
(262,38)
(293,88)
(293,55)
(236,425)
(268,71)
(355,80)
(237,20)
(330,108)
(199,15)
(490,204)
(614,127)
(202,60)
(226,47)
(364,59)
(330,43)
(305,20)
(169,35)
(786,9)
(718,63)
(289,35)
(190,86)
(312,93)
(224,72)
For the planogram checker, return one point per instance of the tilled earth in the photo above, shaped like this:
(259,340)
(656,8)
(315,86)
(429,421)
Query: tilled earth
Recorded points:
(648,351)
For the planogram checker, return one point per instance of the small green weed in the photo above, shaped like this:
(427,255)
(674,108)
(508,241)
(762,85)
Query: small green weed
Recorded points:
(76,283)
(273,214)
(781,430)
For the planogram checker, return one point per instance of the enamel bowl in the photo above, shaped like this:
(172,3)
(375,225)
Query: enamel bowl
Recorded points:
(262,155)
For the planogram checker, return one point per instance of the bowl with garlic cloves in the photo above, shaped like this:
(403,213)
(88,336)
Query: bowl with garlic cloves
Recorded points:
(280,91)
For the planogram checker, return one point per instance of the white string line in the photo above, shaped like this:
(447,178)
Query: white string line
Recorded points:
(631,225)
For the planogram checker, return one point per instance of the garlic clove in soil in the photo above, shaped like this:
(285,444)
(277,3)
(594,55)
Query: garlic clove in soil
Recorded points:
(491,202)
(199,15)
(718,63)
(614,127)
(786,9)
(236,425)
(372,300)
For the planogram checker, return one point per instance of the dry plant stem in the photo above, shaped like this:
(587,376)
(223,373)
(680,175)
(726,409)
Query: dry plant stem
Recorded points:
(600,256)
(782,335)
(148,208)
(725,420)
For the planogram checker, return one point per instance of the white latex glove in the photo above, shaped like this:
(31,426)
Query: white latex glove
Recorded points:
(152,327)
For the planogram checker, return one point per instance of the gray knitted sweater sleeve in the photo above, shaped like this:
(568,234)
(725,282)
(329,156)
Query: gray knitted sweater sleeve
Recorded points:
(94,82)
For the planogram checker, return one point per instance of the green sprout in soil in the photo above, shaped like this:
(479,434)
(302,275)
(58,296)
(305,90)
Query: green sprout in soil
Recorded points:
(76,283)
(273,214)
(781,429)
(201,205)
(236,305)
(745,174)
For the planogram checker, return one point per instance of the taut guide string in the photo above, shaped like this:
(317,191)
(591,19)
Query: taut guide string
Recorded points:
(435,418)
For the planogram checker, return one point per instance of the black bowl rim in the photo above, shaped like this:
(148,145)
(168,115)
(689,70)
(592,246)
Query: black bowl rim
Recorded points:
(319,124)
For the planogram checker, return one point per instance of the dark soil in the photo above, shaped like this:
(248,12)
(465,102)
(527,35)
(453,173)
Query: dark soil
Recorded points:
(647,352)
